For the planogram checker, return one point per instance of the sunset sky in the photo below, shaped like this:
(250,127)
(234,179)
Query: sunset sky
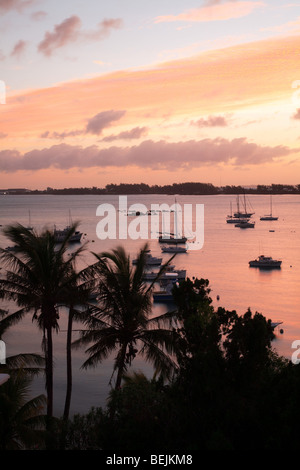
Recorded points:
(155,92)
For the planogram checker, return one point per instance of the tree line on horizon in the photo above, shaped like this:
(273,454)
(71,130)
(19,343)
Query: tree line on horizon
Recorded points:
(188,188)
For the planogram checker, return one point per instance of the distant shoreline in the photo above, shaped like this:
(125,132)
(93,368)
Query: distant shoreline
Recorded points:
(175,188)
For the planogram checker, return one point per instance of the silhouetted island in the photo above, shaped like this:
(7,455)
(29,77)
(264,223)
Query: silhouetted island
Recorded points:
(189,188)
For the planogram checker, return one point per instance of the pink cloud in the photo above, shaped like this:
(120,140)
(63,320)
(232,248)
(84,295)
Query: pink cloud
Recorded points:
(148,154)
(69,31)
(103,29)
(7,5)
(95,125)
(63,33)
(134,133)
(19,48)
(214,11)
(211,121)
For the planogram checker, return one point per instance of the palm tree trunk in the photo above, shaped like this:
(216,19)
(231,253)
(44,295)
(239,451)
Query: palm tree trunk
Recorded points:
(121,366)
(49,373)
(69,367)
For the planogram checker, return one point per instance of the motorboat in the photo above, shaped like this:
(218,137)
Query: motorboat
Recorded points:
(266,262)
(174,249)
(164,295)
(172,239)
(150,260)
(169,274)
(164,276)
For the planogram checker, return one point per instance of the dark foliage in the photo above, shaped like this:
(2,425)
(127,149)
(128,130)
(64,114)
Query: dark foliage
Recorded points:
(231,392)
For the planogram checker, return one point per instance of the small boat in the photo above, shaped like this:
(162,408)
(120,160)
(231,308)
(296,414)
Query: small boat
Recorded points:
(60,235)
(270,216)
(169,274)
(265,262)
(274,324)
(164,276)
(150,260)
(164,295)
(231,219)
(171,239)
(181,273)
(244,223)
(174,249)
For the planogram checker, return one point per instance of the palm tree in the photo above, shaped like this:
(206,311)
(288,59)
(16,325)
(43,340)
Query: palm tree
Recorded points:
(123,319)
(22,421)
(37,280)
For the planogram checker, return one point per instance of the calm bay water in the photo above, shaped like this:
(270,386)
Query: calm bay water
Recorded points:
(223,260)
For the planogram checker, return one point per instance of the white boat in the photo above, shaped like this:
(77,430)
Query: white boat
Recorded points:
(150,260)
(269,216)
(164,276)
(169,274)
(266,262)
(171,239)
(174,249)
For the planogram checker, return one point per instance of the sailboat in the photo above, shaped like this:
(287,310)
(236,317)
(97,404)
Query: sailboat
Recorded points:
(171,237)
(270,216)
(241,214)
(231,219)
(60,235)
(29,218)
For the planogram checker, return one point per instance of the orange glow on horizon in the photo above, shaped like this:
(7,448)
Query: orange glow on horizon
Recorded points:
(244,79)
